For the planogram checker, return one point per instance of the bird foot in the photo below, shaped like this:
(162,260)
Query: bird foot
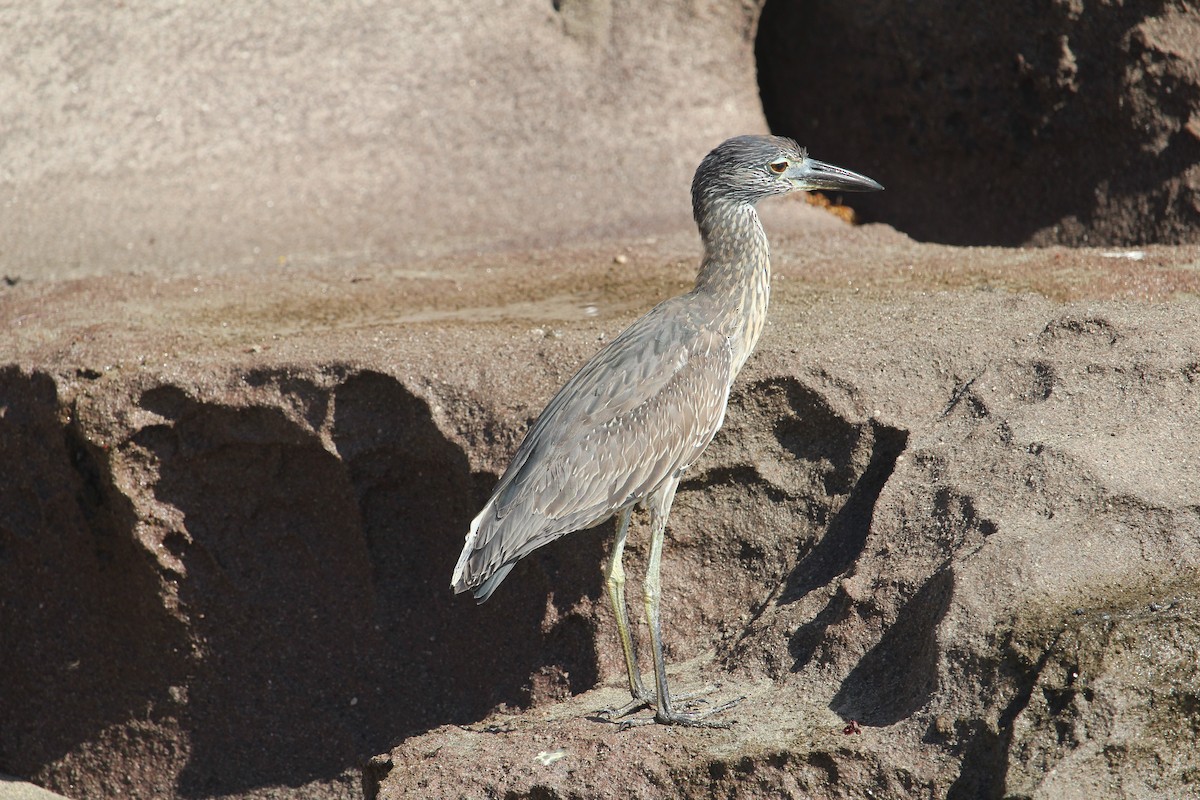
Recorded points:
(636,704)
(687,719)
(646,699)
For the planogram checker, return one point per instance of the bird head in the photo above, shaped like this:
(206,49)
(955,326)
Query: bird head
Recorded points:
(746,169)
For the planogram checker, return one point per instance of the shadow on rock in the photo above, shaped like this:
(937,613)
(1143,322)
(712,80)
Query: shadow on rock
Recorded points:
(989,106)
(317,583)
(830,467)
(846,535)
(450,660)
(84,633)
(899,674)
(277,589)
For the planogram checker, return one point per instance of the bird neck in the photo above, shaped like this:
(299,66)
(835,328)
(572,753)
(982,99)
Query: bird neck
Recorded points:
(735,272)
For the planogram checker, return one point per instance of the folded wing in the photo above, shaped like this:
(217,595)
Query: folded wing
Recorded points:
(640,411)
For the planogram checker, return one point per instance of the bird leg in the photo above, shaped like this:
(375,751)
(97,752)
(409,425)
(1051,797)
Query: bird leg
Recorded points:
(614,580)
(664,713)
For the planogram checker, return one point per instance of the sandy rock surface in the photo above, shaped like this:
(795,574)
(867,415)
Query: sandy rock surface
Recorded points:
(954,501)
(217,138)
(15,789)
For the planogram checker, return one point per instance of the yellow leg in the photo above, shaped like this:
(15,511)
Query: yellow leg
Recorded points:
(660,508)
(614,580)
(652,594)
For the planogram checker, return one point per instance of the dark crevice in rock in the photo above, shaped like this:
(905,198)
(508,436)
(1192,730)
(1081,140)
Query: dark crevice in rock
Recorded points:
(834,469)
(1073,329)
(954,513)
(982,773)
(806,641)
(812,432)
(985,756)
(91,491)
(315,622)
(320,583)
(374,773)
(740,475)
(278,593)
(416,496)
(165,400)
(301,392)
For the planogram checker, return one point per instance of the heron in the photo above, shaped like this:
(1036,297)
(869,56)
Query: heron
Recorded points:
(624,430)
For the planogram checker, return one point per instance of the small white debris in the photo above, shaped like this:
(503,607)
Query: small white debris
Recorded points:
(620,259)
(1132,255)
(547,757)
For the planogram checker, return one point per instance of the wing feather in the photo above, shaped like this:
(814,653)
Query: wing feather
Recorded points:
(637,413)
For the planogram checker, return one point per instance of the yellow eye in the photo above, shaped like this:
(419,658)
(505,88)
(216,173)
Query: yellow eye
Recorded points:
(779,167)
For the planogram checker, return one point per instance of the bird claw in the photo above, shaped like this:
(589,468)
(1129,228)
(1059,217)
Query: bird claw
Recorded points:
(690,701)
(686,719)
(636,704)
(683,720)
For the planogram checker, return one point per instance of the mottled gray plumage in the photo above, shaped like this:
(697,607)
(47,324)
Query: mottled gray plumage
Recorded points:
(623,430)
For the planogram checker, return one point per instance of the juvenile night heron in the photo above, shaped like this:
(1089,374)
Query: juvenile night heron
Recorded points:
(626,427)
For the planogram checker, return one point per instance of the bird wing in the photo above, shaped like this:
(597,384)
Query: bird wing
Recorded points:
(640,411)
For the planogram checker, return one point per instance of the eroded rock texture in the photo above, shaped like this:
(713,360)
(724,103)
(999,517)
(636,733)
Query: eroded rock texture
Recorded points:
(981,546)
(993,576)
(228,591)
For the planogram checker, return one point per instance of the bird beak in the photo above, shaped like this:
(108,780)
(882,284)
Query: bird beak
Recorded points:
(812,174)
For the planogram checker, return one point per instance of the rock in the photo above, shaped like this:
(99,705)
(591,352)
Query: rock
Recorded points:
(128,135)
(960,621)
(14,789)
(219,138)
(1112,710)
(226,570)
(282,291)
(1057,122)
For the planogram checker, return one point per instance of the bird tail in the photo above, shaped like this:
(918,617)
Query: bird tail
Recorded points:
(484,590)
(458,581)
(481,585)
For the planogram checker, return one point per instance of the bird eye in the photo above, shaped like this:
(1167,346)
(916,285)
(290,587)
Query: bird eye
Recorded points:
(779,167)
